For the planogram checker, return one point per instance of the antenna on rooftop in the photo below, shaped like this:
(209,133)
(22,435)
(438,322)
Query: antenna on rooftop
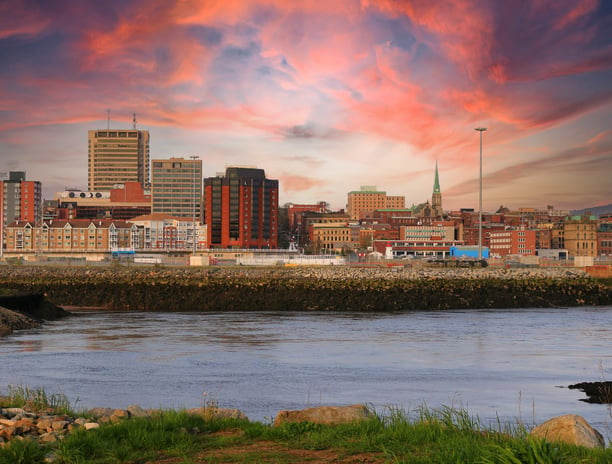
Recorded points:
(108,119)
(134,121)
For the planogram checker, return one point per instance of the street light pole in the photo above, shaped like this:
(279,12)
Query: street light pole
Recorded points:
(195,194)
(481,130)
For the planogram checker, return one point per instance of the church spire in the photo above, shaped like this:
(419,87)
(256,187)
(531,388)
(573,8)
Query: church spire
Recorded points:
(436,188)
(436,197)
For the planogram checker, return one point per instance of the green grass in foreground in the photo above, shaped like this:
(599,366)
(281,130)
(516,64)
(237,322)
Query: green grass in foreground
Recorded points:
(36,399)
(427,436)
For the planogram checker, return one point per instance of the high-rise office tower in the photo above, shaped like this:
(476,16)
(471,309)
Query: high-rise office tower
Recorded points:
(21,200)
(176,187)
(241,209)
(117,156)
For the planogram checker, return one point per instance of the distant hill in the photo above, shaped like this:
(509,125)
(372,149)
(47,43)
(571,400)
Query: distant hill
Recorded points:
(595,210)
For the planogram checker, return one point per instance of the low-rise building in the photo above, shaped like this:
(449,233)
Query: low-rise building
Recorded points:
(124,201)
(512,242)
(577,235)
(438,249)
(77,235)
(169,233)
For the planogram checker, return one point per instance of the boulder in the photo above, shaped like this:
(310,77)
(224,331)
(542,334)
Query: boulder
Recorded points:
(330,415)
(217,413)
(136,411)
(572,429)
(13,320)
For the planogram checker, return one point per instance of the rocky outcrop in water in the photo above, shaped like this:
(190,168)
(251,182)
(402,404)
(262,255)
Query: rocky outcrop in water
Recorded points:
(335,288)
(597,392)
(26,312)
(12,320)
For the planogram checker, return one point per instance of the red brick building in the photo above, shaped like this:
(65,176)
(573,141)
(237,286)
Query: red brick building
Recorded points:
(241,209)
(512,242)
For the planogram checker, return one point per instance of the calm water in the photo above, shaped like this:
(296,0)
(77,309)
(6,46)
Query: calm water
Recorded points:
(495,363)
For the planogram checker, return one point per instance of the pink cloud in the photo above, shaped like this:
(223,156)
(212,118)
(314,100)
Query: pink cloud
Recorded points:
(20,19)
(296,183)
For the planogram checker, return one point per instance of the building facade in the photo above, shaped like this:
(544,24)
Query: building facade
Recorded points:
(77,236)
(577,235)
(429,230)
(295,213)
(331,238)
(117,156)
(170,233)
(123,202)
(20,200)
(512,242)
(241,209)
(176,187)
(362,203)
(439,249)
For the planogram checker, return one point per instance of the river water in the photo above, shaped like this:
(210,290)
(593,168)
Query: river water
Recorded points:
(506,364)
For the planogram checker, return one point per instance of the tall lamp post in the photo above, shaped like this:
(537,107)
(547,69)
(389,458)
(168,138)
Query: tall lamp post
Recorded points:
(195,194)
(481,130)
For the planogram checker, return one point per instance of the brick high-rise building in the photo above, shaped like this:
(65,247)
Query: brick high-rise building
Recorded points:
(20,199)
(117,156)
(241,209)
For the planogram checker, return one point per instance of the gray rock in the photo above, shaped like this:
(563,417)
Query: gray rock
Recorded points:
(137,411)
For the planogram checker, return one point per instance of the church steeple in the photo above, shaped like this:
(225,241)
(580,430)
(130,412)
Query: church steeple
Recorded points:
(436,188)
(436,197)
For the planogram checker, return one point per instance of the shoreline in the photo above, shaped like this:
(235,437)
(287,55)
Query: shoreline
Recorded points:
(306,288)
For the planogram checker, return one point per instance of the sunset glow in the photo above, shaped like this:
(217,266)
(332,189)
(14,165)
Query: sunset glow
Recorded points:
(325,96)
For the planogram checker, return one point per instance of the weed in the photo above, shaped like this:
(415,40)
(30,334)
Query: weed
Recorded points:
(37,399)
(21,452)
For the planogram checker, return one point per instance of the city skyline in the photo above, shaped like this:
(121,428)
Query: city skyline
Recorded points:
(325,97)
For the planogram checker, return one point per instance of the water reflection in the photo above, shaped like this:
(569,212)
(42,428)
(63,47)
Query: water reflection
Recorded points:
(495,363)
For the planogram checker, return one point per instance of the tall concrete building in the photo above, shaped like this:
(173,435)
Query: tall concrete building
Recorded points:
(176,187)
(362,203)
(241,209)
(117,156)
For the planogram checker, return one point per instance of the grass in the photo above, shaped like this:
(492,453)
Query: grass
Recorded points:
(36,399)
(424,435)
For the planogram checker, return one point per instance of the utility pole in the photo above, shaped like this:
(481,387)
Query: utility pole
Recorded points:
(481,130)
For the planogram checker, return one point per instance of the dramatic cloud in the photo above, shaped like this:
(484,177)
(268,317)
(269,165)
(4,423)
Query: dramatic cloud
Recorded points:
(325,96)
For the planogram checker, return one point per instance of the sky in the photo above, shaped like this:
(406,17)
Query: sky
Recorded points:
(325,96)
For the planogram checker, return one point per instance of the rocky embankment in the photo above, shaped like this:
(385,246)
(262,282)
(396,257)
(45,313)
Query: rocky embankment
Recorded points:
(339,288)
(50,426)
(19,311)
